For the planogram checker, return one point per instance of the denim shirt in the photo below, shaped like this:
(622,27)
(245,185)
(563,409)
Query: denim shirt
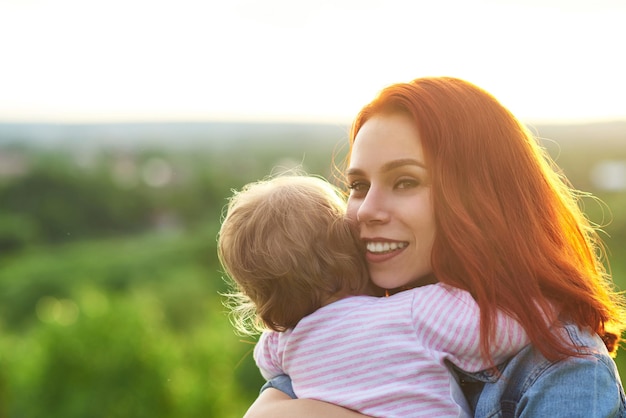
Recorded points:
(588,386)
(530,386)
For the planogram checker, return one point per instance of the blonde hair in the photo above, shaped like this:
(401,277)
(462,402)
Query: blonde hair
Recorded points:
(287,246)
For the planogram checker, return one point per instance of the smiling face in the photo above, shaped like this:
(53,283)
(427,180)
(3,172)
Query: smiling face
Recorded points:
(390,198)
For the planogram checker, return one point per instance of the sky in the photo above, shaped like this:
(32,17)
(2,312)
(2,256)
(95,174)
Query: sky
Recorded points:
(76,61)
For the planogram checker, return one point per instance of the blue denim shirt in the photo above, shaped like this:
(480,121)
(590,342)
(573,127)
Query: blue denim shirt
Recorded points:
(588,386)
(530,386)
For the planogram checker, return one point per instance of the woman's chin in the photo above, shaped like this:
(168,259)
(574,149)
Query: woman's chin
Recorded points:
(391,286)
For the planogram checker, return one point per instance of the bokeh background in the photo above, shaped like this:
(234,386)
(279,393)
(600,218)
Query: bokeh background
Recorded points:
(124,125)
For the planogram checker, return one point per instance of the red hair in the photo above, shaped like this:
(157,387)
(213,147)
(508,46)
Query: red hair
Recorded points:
(509,228)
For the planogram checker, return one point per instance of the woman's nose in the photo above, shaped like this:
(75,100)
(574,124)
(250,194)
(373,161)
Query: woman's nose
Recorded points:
(373,208)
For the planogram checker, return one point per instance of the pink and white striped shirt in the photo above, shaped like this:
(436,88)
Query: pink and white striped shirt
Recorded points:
(385,357)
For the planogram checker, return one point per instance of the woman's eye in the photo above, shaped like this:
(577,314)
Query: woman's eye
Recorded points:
(358,186)
(407,184)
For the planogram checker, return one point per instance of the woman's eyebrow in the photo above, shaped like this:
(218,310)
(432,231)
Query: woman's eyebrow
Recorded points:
(391,165)
(354,172)
(402,162)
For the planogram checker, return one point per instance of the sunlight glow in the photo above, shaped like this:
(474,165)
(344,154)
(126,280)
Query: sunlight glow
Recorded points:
(75,61)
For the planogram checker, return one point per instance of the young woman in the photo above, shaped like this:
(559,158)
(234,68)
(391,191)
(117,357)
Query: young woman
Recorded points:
(445,182)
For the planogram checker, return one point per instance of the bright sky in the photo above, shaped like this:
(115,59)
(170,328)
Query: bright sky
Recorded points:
(308,60)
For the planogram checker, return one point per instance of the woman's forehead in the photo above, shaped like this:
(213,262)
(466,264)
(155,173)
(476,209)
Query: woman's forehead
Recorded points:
(386,138)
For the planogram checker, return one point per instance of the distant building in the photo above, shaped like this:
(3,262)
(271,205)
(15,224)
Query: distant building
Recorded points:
(609,175)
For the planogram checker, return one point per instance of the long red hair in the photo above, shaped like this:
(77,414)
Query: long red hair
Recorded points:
(509,228)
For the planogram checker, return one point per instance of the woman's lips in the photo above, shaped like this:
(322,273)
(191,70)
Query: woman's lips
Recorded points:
(383,250)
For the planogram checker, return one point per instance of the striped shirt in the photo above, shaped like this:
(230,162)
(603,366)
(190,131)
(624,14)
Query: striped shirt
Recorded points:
(386,357)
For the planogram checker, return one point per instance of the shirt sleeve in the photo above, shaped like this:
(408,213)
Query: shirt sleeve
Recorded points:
(266,355)
(447,319)
(282,383)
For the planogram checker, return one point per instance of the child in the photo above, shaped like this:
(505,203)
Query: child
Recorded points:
(298,266)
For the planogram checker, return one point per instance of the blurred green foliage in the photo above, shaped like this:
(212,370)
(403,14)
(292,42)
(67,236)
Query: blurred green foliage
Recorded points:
(109,278)
(110,285)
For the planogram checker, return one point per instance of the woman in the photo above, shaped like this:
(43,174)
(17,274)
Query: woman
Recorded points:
(446,183)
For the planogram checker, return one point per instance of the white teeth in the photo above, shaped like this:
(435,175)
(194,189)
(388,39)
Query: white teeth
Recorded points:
(383,247)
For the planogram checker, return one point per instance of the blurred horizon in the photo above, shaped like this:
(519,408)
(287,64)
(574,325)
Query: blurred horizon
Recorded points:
(211,132)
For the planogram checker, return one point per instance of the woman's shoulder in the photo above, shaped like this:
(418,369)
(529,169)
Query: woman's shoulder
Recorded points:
(530,385)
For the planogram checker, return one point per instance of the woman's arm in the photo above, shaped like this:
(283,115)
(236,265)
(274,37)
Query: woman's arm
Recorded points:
(272,403)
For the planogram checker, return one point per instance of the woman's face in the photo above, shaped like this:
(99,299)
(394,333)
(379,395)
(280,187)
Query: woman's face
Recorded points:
(390,198)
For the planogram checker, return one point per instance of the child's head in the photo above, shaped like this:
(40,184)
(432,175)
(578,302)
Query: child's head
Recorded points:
(289,249)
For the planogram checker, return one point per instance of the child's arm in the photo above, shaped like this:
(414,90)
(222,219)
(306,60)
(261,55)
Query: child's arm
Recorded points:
(447,319)
(273,403)
(266,355)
